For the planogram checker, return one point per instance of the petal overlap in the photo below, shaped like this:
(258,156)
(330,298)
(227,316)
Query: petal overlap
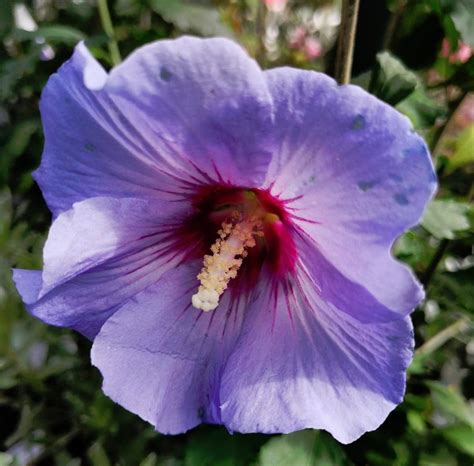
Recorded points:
(301,363)
(162,359)
(99,254)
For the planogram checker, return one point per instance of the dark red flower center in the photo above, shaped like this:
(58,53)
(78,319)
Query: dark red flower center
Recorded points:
(240,231)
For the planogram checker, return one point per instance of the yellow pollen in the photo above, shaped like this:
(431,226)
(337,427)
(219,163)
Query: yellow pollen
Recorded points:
(271,218)
(228,252)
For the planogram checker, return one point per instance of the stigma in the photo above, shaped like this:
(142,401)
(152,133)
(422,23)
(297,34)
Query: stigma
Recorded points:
(235,237)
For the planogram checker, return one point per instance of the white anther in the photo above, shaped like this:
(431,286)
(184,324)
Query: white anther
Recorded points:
(227,253)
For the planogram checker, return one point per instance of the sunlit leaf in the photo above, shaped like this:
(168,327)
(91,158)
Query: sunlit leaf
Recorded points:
(304,448)
(463,17)
(422,110)
(461,436)
(445,218)
(97,455)
(451,403)
(392,81)
(464,148)
(191,17)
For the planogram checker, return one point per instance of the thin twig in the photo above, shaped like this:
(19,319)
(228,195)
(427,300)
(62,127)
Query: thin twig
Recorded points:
(435,260)
(346,40)
(108,28)
(393,23)
(442,337)
(260,32)
(449,122)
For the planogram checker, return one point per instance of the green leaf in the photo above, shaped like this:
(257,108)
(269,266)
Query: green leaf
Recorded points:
(191,17)
(444,218)
(97,455)
(150,460)
(55,33)
(6,17)
(304,448)
(461,436)
(464,151)
(215,447)
(6,459)
(462,15)
(416,422)
(391,80)
(422,110)
(451,403)
(60,33)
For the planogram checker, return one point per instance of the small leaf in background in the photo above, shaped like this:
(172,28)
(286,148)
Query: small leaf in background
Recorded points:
(16,145)
(304,448)
(444,218)
(97,455)
(6,17)
(422,110)
(7,460)
(150,460)
(463,149)
(191,17)
(461,436)
(451,404)
(60,34)
(391,80)
(215,447)
(462,15)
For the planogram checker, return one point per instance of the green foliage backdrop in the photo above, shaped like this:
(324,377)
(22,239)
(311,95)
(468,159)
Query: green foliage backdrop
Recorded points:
(419,60)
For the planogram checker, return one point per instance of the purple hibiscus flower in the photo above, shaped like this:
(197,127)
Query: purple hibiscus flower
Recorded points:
(223,236)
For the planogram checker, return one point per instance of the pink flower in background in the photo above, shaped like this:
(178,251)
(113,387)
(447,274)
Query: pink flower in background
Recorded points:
(312,48)
(277,6)
(301,40)
(461,55)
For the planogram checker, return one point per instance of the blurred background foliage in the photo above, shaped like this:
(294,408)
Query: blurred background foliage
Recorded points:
(415,55)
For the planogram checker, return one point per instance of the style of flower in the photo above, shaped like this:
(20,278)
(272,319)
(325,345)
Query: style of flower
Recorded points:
(223,236)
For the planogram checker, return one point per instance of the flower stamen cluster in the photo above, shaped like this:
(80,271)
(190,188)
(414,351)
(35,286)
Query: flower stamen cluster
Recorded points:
(228,253)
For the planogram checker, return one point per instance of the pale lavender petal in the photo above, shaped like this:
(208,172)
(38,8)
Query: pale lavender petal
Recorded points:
(28,284)
(89,150)
(162,359)
(335,288)
(98,255)
(301,363)
(357,174)
(205,100)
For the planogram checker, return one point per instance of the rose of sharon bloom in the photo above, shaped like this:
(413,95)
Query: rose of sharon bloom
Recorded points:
(223,236)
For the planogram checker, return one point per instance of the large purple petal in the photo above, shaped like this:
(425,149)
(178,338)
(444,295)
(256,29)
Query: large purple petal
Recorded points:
(162,359)
(357,174)
(205,100)
(174,114)
(301,363)
(99,254)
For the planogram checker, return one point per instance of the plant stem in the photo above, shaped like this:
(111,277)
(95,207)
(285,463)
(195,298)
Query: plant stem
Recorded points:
(260,33)
(108,28)
(435,260)
(346,40)
(393,23)
(442,337)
